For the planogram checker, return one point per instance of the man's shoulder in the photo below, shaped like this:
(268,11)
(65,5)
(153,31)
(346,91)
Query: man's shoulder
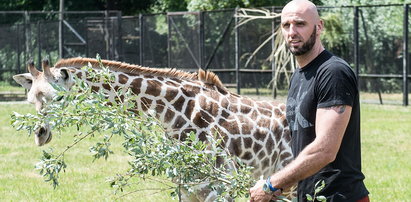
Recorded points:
(336,61)
(336,65)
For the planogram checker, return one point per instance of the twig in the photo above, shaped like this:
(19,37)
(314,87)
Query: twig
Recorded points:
(75,142)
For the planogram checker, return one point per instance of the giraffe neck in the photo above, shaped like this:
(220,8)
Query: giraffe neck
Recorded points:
(170,100)
(255,131)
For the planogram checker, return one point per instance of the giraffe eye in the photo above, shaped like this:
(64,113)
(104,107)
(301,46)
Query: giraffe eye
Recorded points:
(64,74)
(40,96)
(59,98)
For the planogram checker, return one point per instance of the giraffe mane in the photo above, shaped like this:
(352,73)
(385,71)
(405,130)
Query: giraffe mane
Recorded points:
(204,76)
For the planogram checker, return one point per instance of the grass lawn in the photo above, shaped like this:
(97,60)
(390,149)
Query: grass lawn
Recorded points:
(5,87)
(83,179)
(385,150)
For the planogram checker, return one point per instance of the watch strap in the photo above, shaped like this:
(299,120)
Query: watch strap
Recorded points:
(270,186)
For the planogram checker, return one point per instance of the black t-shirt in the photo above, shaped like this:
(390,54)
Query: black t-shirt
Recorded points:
(327,81)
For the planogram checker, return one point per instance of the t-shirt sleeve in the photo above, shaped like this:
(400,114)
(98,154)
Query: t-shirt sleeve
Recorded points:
(336,85)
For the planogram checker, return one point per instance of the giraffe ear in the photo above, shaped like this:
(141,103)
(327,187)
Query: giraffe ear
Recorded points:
(25,80)
(64,74)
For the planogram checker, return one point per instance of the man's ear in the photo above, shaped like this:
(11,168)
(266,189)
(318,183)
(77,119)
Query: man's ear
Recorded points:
(320,26)
(24,80)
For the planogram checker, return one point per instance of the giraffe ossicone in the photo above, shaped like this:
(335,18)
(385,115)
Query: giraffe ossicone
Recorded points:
(255,131)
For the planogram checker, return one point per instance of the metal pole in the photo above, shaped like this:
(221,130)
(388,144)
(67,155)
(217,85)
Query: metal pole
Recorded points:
(141,24)
(18,49)
(39,43)
(237,52)
(356,46)
(405,56)
(201,40)
(273,63)
(169,41)
(119,47)
(27,32)
(61,18)
(107,35)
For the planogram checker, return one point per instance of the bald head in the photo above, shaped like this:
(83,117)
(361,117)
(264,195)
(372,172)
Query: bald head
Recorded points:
(301,27)
(302,7)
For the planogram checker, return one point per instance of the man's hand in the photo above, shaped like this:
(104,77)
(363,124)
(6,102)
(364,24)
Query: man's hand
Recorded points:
(257,193)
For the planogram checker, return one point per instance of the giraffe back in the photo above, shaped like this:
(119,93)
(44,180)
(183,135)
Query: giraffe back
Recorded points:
(255,131)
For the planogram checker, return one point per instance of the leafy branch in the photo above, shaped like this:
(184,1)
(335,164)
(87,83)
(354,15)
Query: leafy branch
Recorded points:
(317,188)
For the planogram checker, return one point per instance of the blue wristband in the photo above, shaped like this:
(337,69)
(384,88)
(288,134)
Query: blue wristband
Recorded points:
(270,186)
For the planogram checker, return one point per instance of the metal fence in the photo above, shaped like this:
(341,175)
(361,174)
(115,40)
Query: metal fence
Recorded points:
(374,41)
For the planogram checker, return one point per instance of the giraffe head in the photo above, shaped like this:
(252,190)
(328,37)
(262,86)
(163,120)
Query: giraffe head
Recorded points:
(40,90)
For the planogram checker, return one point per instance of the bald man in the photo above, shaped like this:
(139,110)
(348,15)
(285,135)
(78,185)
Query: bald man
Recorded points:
(323,113)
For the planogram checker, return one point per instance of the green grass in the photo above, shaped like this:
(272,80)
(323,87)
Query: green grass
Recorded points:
(385,150)
(83,179)
(4,87)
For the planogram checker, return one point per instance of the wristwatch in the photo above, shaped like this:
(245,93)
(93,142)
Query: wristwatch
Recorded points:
(268,187)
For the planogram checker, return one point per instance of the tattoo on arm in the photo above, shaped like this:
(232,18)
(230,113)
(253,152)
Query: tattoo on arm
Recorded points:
(339,108)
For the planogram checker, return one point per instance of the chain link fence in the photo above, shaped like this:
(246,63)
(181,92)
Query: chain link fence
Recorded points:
(373,39)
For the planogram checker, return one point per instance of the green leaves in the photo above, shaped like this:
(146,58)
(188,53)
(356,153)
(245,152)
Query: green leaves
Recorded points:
(319,185)
(50,167)
(28,122)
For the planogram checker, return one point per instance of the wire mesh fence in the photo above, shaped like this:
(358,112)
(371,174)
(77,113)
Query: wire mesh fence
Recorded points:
(373,39)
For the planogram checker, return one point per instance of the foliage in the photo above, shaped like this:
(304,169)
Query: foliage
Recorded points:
(334,32)
(187,163)
(206,5)
(361,2)
(201,5)
(380,40)
(317,188)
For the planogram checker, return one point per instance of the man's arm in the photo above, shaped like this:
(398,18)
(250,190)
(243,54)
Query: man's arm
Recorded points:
(330,125)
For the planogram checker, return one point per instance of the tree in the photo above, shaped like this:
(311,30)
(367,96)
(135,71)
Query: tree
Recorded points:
(380,40)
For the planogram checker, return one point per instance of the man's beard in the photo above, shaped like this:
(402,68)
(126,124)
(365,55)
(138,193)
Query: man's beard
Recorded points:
(307,46)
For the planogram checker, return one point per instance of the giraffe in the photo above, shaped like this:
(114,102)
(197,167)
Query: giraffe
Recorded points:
(255,131)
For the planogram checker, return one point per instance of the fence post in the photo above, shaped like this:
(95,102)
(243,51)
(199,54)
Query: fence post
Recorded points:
(273,63)
(356,46)
(27,32)
(61,18)
(237,51)
(106,35)
(201,40)
(168,41)
(39,43)
(141,28)
(18,49)
(119,45)
(405,56)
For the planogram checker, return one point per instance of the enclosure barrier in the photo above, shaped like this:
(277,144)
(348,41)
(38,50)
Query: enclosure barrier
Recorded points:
(373,44)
